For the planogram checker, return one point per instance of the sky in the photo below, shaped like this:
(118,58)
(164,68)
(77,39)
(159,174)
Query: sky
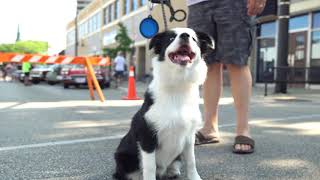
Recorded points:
(43,20)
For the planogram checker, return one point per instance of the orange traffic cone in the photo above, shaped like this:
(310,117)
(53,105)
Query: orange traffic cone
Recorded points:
(132,95)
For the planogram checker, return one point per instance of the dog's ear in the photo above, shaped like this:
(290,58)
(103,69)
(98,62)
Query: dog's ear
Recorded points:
(156,42)
(206,43)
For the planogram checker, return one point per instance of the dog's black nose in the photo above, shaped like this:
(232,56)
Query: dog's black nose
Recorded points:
(185,36)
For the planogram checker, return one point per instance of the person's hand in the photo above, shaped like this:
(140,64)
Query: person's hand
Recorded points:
(255,7)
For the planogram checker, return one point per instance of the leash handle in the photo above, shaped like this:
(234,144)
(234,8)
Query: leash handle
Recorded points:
(173,12)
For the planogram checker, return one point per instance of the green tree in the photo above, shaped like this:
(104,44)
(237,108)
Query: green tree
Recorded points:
(123,42)
(30,47)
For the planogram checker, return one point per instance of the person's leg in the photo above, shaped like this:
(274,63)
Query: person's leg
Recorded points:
(116,76)
(241,86)
(212,89)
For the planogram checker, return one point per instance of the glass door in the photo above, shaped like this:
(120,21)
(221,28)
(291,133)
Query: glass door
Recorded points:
(297,55)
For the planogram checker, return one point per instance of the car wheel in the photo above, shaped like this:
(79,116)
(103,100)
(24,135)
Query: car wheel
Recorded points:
(107,85)
(65,86)
(35,81)
(51,83)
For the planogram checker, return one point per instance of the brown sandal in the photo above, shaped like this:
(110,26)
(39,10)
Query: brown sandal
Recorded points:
(201,139)
(243,140)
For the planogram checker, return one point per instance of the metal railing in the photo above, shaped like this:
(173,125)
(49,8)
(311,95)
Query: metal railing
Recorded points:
(291,75)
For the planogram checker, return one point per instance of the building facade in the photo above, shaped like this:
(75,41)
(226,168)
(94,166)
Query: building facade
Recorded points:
(304,43)
(98,26)
(81,4)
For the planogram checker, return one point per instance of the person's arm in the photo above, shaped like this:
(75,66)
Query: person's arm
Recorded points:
(255,7)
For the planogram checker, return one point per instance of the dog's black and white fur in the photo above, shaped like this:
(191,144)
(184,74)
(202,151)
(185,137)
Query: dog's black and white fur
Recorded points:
(162,131)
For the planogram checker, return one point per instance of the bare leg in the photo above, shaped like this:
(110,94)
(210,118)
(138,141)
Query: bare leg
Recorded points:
(211,92)
(241,87)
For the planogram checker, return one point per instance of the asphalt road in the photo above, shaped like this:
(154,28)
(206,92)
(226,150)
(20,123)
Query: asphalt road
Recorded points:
(47,132)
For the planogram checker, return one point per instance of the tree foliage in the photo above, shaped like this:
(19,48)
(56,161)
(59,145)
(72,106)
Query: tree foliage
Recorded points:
(30,47)
(123,42)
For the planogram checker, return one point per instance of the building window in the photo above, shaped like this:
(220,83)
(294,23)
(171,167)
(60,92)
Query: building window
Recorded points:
(86,28)
(98,17)
(94,23)
(315,42)
(268,29)
(300,47)
(266,58)
(116,9)
(126,7)
(89,26)
(105,15)
(110,12)
(315,45)
(266,51)
(316,20)
(299,22)
(134,5)
(81,32)
(71,37)
(143,2)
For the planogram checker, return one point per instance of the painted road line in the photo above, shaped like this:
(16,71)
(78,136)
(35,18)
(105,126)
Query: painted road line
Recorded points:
(76,141)
(275,120)
(86,140)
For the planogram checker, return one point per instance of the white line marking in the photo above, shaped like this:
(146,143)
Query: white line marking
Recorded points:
(67,60)
(9,148)
(35,59)
(103,61)
(52,59)
(17,58)
(275,120)
(76,141)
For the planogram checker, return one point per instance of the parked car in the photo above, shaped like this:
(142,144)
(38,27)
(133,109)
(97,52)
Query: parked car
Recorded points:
(76,75)
(54,74)
(39,72)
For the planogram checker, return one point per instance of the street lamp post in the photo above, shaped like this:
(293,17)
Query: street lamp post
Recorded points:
(76,34)
(283,43)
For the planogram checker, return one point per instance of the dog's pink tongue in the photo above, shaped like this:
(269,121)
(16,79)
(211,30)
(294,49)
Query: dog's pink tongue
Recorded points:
(182,58)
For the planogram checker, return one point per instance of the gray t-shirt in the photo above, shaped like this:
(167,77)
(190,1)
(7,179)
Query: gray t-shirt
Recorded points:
(191,2)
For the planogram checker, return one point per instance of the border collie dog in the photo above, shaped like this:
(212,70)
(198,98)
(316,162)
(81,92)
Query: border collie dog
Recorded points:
(162,132)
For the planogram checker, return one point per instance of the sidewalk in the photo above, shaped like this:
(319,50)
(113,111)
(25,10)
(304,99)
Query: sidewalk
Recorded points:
(294,94)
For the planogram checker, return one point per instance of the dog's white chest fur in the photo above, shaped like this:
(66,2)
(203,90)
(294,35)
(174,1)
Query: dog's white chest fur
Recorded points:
(175,115)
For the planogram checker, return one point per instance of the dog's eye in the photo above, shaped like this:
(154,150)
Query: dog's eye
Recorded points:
(171,39)
(194,39)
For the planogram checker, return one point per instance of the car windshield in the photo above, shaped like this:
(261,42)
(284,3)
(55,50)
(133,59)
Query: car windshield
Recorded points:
(71,66)
(54,66)
(41,66)
(78,67)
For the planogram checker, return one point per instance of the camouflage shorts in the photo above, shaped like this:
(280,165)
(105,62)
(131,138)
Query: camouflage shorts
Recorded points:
(230,26)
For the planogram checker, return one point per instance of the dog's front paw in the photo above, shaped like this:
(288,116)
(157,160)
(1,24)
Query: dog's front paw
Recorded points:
(173,174)
(194,177)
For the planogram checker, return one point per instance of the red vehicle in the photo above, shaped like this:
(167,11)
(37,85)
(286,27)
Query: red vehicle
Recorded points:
(75,75)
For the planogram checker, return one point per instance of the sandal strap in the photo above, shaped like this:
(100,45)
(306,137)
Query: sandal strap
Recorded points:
(200,136)
(244,140)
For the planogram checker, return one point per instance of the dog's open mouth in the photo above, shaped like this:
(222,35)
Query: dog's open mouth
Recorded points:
(182,56)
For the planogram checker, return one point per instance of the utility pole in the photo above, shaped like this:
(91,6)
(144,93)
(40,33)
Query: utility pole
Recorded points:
(18,34)
(76,34)
(283,43)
